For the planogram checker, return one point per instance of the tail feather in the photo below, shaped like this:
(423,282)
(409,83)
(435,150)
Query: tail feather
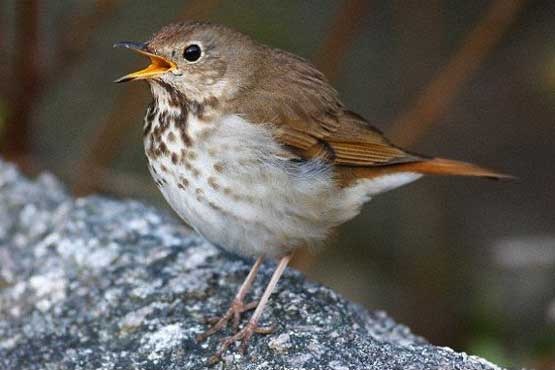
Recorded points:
(441,166)
(434,166)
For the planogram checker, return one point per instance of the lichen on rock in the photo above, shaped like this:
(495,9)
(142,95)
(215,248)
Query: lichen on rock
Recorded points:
(97,283)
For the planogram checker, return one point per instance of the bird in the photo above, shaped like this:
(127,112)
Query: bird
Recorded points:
(253,148)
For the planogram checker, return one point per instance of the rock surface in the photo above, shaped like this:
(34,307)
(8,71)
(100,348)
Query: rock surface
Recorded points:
(97,283)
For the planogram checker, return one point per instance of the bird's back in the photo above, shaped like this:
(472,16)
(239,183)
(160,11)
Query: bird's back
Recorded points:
(276,161)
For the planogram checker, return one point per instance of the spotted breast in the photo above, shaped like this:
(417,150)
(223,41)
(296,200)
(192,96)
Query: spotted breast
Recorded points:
(230,180)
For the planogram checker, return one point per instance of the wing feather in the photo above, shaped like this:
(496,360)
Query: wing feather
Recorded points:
(309,118)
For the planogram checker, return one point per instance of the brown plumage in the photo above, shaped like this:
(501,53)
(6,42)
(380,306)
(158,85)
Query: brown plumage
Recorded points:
(254,149)
(312,122)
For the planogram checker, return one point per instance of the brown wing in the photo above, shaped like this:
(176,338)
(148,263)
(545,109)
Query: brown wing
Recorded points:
(309,117)
(311,121)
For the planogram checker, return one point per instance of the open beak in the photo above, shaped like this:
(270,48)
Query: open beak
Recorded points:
(157,67)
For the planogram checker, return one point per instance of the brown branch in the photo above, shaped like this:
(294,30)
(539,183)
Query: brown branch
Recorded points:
(30,79)
(5,79)
(15,144)
(106,141)
(420,32)
(129,108)
(436,99)
(343,32)
(198,10)
(72,44)
(3,44)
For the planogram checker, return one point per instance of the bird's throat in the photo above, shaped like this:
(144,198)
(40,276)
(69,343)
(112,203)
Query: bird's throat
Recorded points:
(165,123)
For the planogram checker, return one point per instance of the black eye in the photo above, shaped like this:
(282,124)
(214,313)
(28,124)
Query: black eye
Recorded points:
(192,53)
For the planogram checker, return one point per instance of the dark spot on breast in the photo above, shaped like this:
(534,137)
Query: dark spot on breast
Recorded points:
(212,102)
(215,207)
(156,132)
(147,127)
(197,108)
(213,183)
(183,157)
(151,112)
(174,158)
(150,150)
(205,134)
(192,155)
(171,137)
(164,121)
(163,148)
(175,99)
(219,167)
(182,125)
(246,162)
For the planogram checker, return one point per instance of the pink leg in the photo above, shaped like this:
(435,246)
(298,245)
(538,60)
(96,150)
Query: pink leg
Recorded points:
(252,327)
(237,305)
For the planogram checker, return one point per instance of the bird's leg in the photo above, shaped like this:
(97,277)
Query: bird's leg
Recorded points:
(237,306)
(252,327)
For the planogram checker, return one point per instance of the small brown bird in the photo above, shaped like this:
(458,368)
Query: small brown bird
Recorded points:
(252,147)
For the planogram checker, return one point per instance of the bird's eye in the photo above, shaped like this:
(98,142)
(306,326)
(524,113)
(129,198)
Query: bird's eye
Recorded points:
(192,53)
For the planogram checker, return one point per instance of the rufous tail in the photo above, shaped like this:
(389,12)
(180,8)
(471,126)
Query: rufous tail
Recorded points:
(441,166)
(434,166)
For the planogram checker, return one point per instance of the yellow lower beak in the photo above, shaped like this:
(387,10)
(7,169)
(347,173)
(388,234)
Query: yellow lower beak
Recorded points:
(157,67)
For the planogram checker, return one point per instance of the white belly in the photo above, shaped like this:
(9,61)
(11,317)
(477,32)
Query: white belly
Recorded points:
(235,190)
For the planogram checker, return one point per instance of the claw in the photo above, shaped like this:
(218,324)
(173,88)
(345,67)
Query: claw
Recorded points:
(236,319)
(234,312)
(237,314)
(265,329)
(244,335)
(211,320)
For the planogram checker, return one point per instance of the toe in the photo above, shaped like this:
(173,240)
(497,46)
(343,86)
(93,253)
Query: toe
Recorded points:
(265,329)
(236,319)
(249,306)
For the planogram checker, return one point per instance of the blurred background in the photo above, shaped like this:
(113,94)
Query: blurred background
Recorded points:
(466,263)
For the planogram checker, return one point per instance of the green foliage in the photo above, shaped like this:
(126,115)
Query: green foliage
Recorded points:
(490,348)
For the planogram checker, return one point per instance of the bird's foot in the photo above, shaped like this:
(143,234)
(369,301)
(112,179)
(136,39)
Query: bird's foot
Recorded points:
(243,335)
(233,313)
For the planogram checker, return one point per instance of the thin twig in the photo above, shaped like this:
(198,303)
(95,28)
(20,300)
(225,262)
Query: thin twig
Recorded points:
(440,93)
(198,10)
(30,80)
(419,34)
(344,29)
(72,45)
(15,142)
(3,55)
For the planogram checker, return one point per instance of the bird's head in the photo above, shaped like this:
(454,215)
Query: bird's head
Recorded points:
(200,60)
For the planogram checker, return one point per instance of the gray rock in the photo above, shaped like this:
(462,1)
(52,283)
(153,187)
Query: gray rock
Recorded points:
(97,283)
